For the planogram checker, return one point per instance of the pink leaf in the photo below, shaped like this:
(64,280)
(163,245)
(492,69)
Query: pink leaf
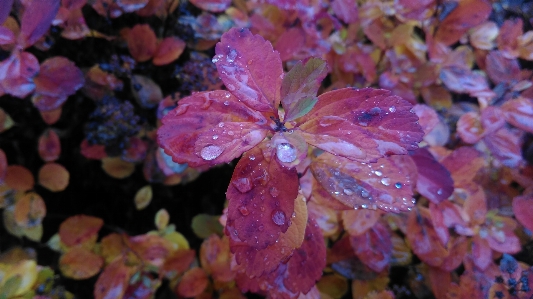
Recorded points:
(434,180)
(523,209)
(194,134)
(385,185)
(501,69)
(519,113)
(357,222)
(17,72)
(469,127)
(36,19)
(290,42)
(261,199)
(374,248)
(423,238)
(463,80)
(481,252)
(346,10)
(463,163)
(250,69)
(7,36)
(457,248)
(299,87)
(505,146)
(361,124)
(212,5)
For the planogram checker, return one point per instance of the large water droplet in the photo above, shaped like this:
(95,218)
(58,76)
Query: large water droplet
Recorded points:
(378,173)
(439,192)
(211,152)
(392,109)
(244,211)
(286,152)
(274,191)
(278,217)
(364,194)
(385,181)
(398,185)
(242,184)
(220,124)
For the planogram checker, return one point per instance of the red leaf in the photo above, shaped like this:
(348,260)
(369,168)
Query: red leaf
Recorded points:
(168,50)
(423,238)
(457,248)
(216,258)
(374,248)
(519,113)
(505,146)
(290,42)
(19,178)
(95,151)
(346,10)
(501,69)
(299,87)
(250,69)
(385,185)
(142,42)
(419,10)
(5,9)
(361,124)
(475,206)
(212,5)
(113,281)
(36,19)
(193,283)
(481,252)
(469,127)
(523,209)
(463,164)
(17,72)
(440,282)
(357,222)
(261,199)
(77,229)
(194,134)
(467,14)
(434,180)
(57,79)
(49,146)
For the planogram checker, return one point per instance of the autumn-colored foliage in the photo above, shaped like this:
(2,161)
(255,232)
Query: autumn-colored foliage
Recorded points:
(290,149)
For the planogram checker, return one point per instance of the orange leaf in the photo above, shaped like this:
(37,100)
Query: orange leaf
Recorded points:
(117,168)
(49,146)
(50,117)
(80,263)
(193,283)
(216,258)
(79,229)
(142,42)
(54,177)
(168,50)
(29,210)
(178,262)
(113,281)
(19,178)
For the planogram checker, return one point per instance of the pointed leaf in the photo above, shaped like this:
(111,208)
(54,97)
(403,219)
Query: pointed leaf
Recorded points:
(142,42)
(54,177)
(113,281)
(80,263)
(261,199)
(434,180)
(385,185)
(6,122)
(161,219)
(36,19)
(250,68)
(361,124)
(300,86)
(143,197)
(194,134)
(49,146)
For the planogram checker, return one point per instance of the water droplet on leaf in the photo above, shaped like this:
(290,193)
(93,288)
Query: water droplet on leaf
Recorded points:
(392,109)
(286,152)
(274,191)
(211,152)
(244,211)
(385,181)
(398,185)
(242,184)
(348,191)
(278,217)
(261,228)
(231,56)
(215,137)
(374,111)
(226,103)
(231,87)
(378,173)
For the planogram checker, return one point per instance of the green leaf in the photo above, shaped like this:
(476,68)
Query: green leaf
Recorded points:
(205,225)
(299,87)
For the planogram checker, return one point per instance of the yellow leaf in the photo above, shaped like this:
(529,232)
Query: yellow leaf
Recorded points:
(34,233)
(117,168)
(161,219)
(143,197)
(178,239)
(26,271)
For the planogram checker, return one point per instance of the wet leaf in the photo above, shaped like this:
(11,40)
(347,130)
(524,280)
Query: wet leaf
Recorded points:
(168,50)
(193,283)
(36,19)
(79,229)
(300,86)
(261,199)
(117,168)
(357,222)
(199,136)
(142,42)
(361,124)
(143,197)
(80,263)
(113,281)
(54,177)
(204,226)
(385,185)
(19,178)
(49,146)
(240,54)
(434,180)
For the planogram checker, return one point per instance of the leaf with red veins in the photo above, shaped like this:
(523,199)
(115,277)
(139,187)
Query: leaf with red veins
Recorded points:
(290,148)
(519,113)
(384,185)
(261,199)
(434,180)
(57,79)
(505,144)
(296,276)
(36,19)
(501,69)
(374,248)
(361,124)
(300,86)
(257,262)
(523,209)
(423,239)
(250,69)
(17,72)
(209,128)
(463,164)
